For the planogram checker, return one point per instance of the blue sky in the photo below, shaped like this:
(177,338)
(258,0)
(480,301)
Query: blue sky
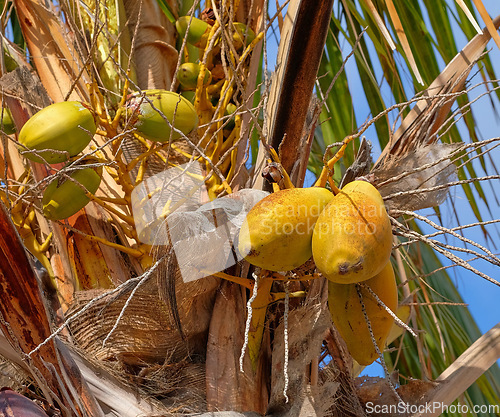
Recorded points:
(481,296)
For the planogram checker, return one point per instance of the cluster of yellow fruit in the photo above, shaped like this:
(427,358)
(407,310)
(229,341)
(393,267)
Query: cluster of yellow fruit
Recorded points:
(63,130)
(349,237)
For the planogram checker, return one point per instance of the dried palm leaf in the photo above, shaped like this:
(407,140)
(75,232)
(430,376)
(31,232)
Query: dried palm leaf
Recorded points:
(112,394)
(491,26)
(402,38)
(293,82)
(380,23)
(136,328)
(464,371)
(434,110)
(60,68)
(25,323)
(469,15)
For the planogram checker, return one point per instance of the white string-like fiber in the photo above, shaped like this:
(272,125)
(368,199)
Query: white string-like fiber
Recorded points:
(139,279)
(249,319)
(285,340)
(398,321)
(374,342)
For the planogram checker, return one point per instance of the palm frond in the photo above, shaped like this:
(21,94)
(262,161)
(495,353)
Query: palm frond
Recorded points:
(450,330)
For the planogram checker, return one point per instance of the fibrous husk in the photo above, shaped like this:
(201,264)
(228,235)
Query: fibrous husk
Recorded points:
(180,386)
(361,165)
(229,414)
(12,375)
(146,333)
(306,328)
(426,167)
(227,387)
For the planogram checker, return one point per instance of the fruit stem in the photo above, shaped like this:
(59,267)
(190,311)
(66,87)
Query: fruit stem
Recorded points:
(25,230)
(329,166)
(226,94)
(277,296)
(121,105)
(130,251)
(279,277)
(244,282)
(259,312)
(250,47)
(335,189)
(114,200)
(286,178)
(127,219)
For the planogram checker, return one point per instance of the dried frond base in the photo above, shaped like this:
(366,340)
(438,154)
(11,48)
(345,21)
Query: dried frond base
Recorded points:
(307,326)
(146,333)
(144,348)
(12,376)
(141,336)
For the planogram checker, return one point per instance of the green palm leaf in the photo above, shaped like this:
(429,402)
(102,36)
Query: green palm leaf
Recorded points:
(450,330)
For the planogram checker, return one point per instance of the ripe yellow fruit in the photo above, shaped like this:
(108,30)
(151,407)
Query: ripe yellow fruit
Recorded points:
(347,314)
(352,239)
(67,126)
(63,197)
(152,125)
(403,312)
(276,234)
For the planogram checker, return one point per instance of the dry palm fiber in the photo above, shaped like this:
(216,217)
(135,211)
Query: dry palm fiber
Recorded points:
(146,333)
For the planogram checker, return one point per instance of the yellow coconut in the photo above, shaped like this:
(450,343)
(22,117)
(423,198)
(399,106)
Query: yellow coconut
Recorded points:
(352,239)
(278,229)
(347,313)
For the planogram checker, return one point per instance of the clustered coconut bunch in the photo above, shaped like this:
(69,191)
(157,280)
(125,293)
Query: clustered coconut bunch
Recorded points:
(349,236)
(60,132)
(347,232)
(103,146)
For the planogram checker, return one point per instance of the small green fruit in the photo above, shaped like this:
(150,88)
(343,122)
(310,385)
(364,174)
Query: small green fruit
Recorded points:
(152,125)
(189,95)
(63,197)
(67,126)
(197,33)
(7,124)
(188,75)
(242,36)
